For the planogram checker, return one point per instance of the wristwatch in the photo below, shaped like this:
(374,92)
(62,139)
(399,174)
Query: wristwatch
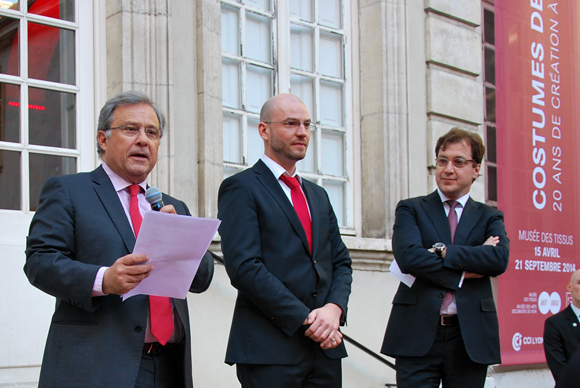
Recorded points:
(439,247)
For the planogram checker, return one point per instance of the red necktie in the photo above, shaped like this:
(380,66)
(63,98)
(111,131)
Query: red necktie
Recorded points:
(159,306)
(452,218)
(299,202)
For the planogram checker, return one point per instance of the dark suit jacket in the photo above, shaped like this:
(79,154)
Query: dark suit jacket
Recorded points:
(80,226)
(570,374)
(561,340)
(268,260)
(419,223)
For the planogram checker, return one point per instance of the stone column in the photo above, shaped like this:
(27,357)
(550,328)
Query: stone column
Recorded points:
(384,112)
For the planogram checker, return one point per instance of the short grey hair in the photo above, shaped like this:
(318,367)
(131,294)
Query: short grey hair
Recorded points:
(132,97)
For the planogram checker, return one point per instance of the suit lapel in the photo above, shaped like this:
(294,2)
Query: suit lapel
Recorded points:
(469,218)
(110,201)
(270,183)
(313,216)
(436,212)
(572,321)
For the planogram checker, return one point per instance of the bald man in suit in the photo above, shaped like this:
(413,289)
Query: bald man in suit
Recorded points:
(284,254)
(562,331)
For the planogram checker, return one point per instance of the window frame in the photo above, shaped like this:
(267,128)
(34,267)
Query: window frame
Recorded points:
(86,17)
(281,22)
(487,123)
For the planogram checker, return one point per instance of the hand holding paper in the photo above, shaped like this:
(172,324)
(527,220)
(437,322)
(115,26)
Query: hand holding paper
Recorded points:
(175,245)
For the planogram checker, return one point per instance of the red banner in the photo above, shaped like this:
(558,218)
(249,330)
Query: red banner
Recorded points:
(538,142)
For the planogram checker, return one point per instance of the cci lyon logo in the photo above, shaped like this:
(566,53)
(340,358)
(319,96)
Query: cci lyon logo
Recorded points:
(518,340)
(549,302)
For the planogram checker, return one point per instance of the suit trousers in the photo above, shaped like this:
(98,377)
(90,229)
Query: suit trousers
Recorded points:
(315,370)
(447,361)
(162,371)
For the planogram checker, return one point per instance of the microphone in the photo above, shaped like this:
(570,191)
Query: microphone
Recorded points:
(155,198)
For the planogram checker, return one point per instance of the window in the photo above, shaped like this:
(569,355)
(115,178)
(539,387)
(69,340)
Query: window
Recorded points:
(298,47)
(38,98)
(488,36)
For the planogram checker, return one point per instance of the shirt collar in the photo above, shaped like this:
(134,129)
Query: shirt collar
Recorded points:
(278,170)
(120,183)
(462,200)
(576,310)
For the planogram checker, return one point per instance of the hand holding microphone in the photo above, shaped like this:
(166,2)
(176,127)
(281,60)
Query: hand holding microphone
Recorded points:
(154,196)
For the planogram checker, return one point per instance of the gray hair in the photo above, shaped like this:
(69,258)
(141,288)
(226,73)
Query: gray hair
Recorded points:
(131,97)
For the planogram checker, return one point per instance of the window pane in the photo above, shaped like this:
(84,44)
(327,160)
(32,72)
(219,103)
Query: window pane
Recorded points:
(9,56)
(490,104)
(255,142)
(260,4)
(330,13)
(490,65)
(492,183)
(52,118)
(10,113)
(43,167)
(491,144)
(230,31)
(331,103)
(335,192)
(303,87)
(10,180)
(258,41)
(332,153)
(58,9)
(488,26)
(301,48)
(258,87)
(331,54)
(232,139)
(230,84)
(308,164)
(13,5)
(51,54)
(301,9)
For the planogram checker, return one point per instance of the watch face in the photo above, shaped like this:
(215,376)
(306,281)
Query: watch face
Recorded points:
(439,246)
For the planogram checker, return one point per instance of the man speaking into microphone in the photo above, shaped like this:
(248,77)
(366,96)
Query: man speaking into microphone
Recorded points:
(79,250)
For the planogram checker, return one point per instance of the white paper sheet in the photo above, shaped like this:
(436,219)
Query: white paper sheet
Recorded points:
(175,245)
(407,279)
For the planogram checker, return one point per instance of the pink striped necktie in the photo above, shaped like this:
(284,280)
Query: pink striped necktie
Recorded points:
(452,218)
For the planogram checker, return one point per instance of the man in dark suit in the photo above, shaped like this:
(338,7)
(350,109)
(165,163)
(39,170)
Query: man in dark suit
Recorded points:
(444,328)
(562,331)
(79,251)
(284,254)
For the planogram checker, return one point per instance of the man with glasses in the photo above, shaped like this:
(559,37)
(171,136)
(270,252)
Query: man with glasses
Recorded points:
(79,250)
(283,252)
(443,326)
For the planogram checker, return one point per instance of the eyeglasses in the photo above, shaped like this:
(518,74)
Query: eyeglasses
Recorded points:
(457,162)
(293,124)
(133,131)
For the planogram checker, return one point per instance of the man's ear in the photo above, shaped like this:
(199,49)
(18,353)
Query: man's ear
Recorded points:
(264,131)
(476,172)
(102,139)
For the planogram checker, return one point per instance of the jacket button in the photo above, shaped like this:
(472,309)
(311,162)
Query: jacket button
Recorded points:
(314,294)
(441,295)
(138,329)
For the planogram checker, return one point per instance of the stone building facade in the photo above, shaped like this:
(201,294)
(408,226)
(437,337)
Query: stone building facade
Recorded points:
(411,70)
